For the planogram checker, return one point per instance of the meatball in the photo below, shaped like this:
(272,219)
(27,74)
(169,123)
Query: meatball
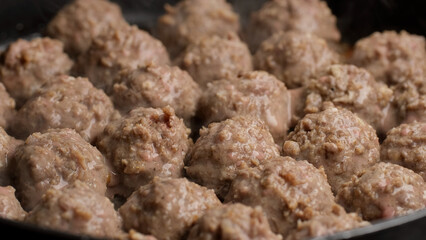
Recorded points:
(118,49)
(190,20)
(56,159)
(227,147)
(406,145)
(384,190)
(309,16)
(213,58)
(8,145)
(76,209)
(167,208)
(286,189)
(337,140)
(256,93)
(82,21)
(7,107)
(233,221)
(147,142)
(66,102)
(10,207)
(294,57)
(157,86)
(26,65)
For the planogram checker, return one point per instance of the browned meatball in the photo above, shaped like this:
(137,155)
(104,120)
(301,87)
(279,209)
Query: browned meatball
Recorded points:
(76,209)
(147,142)
(233,221)
(309,16)
(27,65)
(56,159)
(294,57)
(66,102)
(337,140)
(406,145)
(213,58)
(190,20)
(7,107)
(384,191)
(157,86)
(167,208)
(81,21)
(118,49)
(225,148)
(286,189)
(8,145)
(10,207)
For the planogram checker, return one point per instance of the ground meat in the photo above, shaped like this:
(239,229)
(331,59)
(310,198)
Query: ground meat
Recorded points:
(337,140)
(10,207)
(384,191)
(157,86)
(66,102)
(233,221)
(190,20)
(287,190)
(56,159)
(134,235)
(309,16)
(406,145)
(26,65)
(7,148)
(294,57)
(76,209)
(7,107)
(213,58)
(118,49)
(146,143)
(225,148)
(167,208)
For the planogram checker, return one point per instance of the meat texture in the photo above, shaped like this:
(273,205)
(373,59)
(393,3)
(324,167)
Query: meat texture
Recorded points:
(8,146)
(10,208)
(7,107)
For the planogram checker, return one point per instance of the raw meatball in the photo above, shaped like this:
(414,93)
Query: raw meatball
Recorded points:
(82,21)
(294,57)
(167,208)
(8,145)
(56,159)
(66,102)
(406,145)
(233,221)
(225,148)
(157,86)
(337,140)
(76,209)
(384,191)
(287,190)
(118,49)
(27,65)
(256,93)
(10,207)
(213,58)
(7,107)
(309,16)
(190,20)
(147,142)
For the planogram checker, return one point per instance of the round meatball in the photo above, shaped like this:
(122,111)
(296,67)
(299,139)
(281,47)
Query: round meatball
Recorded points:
(76,209)
(337,140)
(286,189)
(256,93)
(66,102)
(56,159)
(213,58)
(294,57)
(227,147)
(190,20)
(82,21)
(7,107)
(27,65)
(118,49)
(147,142)
(384,190)
(8,145)
(167,208)
(233,221)
(10,207)
(157,86)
